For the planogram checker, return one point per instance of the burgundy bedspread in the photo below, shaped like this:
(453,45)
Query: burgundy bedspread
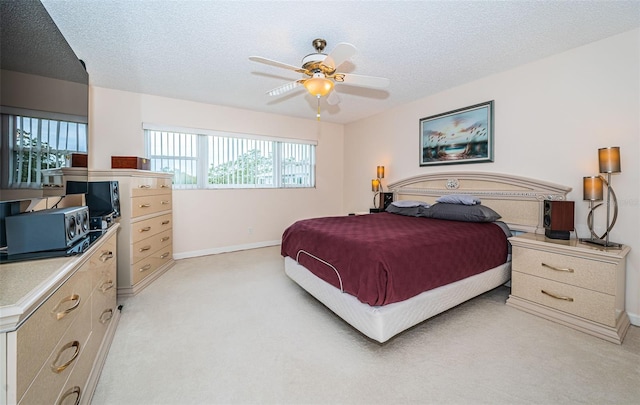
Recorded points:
(384,258)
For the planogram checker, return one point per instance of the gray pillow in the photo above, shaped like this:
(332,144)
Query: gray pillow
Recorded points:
(459,212)
(459,199)
(408,211)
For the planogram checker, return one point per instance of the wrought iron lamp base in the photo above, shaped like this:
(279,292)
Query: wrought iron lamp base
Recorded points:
(601,243)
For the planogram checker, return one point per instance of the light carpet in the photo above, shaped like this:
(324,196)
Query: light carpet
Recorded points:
(234,329)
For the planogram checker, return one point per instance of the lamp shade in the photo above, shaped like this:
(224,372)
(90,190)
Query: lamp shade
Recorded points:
(375,185)
(318,86)
(380,172)
(592,188)
(609,159)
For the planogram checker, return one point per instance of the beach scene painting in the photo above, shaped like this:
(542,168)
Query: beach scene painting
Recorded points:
(460,136)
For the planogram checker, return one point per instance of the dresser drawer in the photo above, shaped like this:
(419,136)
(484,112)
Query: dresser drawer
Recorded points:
(40,334)
(104,306)
(102,264)
(145,247)
(152,263)
(143,229)
(150,186)
(54,373)
(586,273)
(146,205)
(588,304)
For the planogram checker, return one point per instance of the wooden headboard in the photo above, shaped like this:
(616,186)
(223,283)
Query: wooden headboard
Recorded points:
(519,200)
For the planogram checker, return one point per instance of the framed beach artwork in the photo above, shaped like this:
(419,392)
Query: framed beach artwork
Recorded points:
(460,136)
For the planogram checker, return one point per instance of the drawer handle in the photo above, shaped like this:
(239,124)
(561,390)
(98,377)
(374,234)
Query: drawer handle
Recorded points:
(144,205)
(164,186)
(104,256)
(58,369)
(164,255)
(71,391)
(145,267)
(558,297)
(165,202)
(144,248)
(145,229)
(166,238)
(106,286)
(568,269)
(106,316)
(166,222)
(144,186)
(61,314)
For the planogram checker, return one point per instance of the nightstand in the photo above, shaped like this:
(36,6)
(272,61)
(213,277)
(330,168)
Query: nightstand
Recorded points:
(577,285)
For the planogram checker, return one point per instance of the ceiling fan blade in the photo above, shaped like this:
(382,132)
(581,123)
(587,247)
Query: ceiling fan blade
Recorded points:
(342,52)
(270,62)
(333,98)
(363,81)
(285,88)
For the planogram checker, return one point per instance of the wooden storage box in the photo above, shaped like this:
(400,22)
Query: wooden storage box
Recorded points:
(130,162)
(78,160)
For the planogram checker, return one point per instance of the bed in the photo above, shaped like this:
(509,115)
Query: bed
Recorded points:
(368,276)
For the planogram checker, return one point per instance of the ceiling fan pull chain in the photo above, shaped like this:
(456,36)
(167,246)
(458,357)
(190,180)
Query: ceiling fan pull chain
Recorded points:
(318,114)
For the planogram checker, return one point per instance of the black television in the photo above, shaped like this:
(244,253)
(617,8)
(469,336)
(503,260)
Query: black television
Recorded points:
(44,105)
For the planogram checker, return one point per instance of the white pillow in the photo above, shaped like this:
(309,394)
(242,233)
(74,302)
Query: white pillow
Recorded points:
(409,204)
(463,199)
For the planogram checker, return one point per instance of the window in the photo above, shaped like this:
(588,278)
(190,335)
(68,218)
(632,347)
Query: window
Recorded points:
(38,146)
(208,159)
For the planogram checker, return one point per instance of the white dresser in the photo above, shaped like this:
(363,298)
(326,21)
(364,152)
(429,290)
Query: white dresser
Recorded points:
(578,285)
(57,320)
(145,242)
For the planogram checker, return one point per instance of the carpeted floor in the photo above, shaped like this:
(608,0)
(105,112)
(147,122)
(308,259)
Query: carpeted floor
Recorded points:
(233,329)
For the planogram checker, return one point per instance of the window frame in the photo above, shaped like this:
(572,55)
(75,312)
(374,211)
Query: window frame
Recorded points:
(203,162)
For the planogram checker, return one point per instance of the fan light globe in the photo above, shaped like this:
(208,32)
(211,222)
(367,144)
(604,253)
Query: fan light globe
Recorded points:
(318,85)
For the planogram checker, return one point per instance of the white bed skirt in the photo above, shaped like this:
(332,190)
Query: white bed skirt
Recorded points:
(383,322)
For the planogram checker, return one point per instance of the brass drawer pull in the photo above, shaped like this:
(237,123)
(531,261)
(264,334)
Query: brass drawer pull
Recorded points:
(568,269)
(144,248)
(166,238)
(144,205)
(166,222)
(164,186)
(104,256)
(144,186)
(558,297)
(106,316)
(106,286)
(164,255)
(145,229)
(71,391)
(165,202)
(145,267)
(58,369)
(61,314)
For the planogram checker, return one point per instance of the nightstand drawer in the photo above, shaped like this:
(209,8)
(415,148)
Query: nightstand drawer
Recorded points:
(586,273)
(588,304)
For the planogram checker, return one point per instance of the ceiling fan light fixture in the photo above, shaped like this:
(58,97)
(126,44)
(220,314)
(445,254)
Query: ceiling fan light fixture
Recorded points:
(318,85)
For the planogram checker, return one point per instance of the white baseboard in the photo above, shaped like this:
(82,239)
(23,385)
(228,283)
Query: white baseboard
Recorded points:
(224,249)
(634,318)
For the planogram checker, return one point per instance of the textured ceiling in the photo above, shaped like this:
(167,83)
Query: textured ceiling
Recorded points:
(199,50)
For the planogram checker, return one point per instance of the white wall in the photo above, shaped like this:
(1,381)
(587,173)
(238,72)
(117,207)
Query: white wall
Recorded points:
(213,221)
(551,117)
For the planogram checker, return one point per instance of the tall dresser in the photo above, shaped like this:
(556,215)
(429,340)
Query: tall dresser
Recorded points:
(145,242)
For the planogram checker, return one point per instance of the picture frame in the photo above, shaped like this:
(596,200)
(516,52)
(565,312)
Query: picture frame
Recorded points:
(464,135)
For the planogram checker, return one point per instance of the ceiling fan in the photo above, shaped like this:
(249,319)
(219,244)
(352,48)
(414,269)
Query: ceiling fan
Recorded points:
(321,73)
